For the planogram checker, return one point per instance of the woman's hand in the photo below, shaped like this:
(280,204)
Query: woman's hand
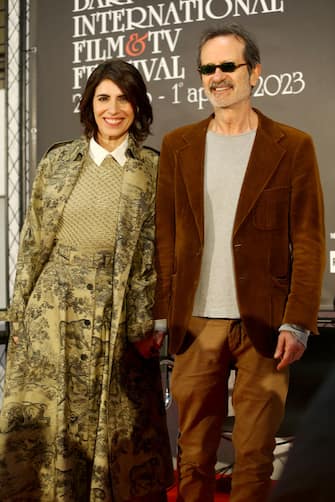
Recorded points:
(15,328)
(150,346)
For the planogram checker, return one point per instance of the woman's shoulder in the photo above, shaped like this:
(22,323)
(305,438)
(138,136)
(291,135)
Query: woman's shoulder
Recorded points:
(69,149)
(149,154)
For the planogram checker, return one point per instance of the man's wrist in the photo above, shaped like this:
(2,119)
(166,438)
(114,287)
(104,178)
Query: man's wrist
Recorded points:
(300,333)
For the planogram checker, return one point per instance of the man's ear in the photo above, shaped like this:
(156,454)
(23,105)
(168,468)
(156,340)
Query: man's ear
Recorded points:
(255,73)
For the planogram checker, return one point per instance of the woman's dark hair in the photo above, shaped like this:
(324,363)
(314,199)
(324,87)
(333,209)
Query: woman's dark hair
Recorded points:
(130,81)
(251,50)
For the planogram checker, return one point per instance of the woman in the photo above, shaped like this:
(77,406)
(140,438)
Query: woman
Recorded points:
(83,415)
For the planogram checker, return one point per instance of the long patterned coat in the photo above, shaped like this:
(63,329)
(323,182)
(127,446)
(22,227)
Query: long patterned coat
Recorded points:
(83,415)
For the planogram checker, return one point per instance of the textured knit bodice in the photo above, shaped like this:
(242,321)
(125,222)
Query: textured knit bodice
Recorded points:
(90,216)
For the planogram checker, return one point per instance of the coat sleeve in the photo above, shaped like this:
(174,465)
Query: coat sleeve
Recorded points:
(142,277)
(307,233)
(165,231)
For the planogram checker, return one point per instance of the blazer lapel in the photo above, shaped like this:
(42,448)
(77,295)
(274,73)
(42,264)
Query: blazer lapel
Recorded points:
(192,159)
(264,160)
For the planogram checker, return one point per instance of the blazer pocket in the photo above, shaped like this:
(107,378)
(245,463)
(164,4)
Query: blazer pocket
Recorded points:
(271,210)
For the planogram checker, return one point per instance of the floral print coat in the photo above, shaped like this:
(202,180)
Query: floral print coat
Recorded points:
(65,434)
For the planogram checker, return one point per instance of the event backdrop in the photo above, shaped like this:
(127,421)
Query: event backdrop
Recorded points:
(297,86)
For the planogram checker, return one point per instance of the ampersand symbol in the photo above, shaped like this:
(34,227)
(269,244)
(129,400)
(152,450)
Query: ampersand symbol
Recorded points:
(136,45)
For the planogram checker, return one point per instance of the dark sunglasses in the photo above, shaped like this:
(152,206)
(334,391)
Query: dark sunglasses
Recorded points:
(228,67)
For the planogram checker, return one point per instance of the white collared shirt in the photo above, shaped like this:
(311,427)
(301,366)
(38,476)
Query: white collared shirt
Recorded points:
(98,153)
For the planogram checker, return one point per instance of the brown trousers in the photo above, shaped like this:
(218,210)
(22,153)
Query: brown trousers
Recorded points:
(200,388)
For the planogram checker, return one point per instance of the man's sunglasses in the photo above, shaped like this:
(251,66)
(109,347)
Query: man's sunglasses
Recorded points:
(228,67)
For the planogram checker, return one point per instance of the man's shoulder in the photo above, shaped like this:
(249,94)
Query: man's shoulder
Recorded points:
(187,130)
(280,128)
(291,130)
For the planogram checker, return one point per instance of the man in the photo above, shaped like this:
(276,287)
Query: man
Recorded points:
(240,256)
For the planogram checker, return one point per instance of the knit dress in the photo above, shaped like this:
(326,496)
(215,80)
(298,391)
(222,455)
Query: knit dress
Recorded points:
(82,420)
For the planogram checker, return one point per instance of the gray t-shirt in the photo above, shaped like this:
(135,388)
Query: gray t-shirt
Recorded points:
(226,160)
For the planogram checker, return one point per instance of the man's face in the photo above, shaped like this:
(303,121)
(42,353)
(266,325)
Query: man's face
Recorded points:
(223,89)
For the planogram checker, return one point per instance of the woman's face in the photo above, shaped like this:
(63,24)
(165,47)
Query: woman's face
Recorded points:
(113,114)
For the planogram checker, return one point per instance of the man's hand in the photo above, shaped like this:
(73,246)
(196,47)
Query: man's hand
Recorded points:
(288,349)
(150,346)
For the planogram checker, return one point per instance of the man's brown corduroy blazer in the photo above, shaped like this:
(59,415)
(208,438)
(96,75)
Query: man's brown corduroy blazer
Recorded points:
(278,236)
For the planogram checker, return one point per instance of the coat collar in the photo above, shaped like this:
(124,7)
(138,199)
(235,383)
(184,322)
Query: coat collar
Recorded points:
(133,150)
(264,160)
